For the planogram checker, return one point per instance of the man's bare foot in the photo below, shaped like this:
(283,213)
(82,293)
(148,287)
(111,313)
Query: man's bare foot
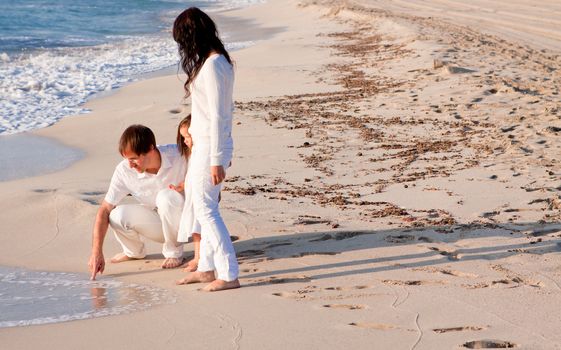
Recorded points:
(172,263)
(217,285)
(197,277)
(121,257)
(192,265)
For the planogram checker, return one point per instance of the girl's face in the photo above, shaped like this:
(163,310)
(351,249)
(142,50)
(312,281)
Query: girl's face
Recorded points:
(186,136)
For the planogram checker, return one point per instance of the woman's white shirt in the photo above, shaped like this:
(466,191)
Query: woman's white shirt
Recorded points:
(212,108)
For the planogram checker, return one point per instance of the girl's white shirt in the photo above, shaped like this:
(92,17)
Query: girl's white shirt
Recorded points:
(212,108)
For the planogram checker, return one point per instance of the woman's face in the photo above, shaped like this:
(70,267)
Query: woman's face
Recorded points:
(186,136)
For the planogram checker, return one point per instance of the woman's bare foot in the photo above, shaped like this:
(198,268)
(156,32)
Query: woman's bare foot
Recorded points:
(197,277)
(217,285)
(172,263)
(121,257)
(192,265)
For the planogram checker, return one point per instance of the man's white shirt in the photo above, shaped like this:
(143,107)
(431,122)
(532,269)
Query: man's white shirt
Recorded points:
(144,187)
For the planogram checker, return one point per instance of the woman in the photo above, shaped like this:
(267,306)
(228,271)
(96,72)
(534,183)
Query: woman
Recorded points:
(210,81)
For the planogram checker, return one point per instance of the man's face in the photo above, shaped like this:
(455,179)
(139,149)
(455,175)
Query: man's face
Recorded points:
(136,161)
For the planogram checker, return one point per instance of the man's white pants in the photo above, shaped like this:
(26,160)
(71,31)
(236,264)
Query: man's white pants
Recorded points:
(132,222)
(217,251)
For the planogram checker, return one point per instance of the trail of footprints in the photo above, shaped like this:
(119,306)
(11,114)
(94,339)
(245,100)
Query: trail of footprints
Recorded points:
(340,301)
(305,294)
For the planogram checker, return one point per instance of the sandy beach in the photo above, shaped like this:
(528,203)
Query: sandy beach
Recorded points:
(395,185)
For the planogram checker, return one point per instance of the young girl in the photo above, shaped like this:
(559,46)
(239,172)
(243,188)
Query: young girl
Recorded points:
(187,229)
(210,81)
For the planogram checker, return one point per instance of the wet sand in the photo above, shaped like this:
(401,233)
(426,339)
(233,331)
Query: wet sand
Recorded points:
(26,155)
(38,297)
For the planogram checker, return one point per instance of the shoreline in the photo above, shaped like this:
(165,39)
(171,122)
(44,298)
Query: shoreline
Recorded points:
(53,151)
(385,169)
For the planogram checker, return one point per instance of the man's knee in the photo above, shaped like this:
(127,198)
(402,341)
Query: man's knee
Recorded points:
(117,218)
(167,199)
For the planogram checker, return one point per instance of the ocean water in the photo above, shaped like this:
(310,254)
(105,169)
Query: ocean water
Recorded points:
(55,54)
(34,297)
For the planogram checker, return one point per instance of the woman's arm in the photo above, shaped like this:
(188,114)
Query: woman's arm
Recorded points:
(218,84)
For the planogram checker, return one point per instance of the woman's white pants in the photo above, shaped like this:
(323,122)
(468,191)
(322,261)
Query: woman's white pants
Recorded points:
(217,251)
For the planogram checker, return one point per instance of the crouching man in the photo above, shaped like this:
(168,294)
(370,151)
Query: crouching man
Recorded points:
(146,173)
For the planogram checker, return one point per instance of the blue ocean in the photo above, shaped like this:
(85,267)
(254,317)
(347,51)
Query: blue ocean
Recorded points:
(55,54)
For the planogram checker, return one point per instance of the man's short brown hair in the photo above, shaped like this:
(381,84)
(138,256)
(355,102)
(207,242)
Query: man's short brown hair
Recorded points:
(138,139)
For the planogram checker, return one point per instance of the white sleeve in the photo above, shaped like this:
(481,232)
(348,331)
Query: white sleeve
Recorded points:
(215,80)
(117,188)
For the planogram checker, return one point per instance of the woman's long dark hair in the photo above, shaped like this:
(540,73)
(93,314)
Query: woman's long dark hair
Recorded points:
(196,36)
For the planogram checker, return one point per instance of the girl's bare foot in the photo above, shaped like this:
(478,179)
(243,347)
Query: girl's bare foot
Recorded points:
(217,285)
(197,277)
(172,263)
(192,265)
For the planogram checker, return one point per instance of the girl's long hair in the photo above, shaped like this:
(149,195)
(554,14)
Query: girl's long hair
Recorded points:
(196,36)
(184,150)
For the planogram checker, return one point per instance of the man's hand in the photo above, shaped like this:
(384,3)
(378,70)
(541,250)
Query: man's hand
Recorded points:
(217,173)
(96,264)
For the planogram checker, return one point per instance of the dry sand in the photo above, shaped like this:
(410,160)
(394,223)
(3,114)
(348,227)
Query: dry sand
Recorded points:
(395,186)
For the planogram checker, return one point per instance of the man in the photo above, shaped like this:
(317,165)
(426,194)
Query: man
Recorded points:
(146,173)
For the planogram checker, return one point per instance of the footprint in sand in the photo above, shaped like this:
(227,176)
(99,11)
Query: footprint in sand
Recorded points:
(451,255)
(400,239)
(411,282)
(299,255)
(369,325)
(341,235)
(347,288)
(345,306)
(279,244)
(289,295)
(251,253)
(93,193)
(299,294)
(176,110)
(514,278)
(458,273)
(458,329)
(447,272)
(252,256)
(249,270)
(44,190)
(403,283)
(325,237)
(276,280)
(91,201)
(489,344)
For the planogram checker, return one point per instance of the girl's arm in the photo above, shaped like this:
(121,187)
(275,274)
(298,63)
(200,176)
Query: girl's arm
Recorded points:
(179,188)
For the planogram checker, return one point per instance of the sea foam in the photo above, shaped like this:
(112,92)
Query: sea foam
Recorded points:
(46,77)
(39,89)
(34,297)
